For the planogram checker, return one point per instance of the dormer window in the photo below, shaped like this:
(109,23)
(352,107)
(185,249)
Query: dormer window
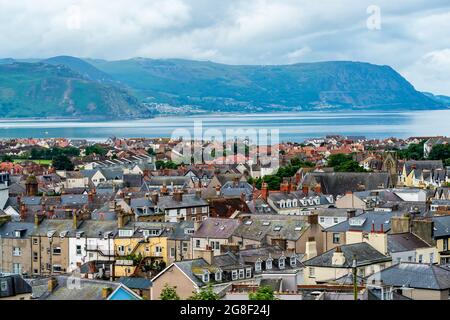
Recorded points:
(218,275)
(281,262)
(17,233)
(269,264)
(293,261)
(205,276)
(258,266)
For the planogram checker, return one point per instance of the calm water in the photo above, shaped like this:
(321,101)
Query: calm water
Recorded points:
(292,126)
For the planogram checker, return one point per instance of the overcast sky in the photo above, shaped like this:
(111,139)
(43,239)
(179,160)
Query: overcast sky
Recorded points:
(411,35)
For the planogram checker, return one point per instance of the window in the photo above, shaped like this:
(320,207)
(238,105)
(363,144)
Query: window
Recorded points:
(336,220)
(158,249)
(215,245)
(281,262)
(35,241)
(420,258)
(432,257)
(56,251)
(218,276)
(185,246)
(17,268)
(17,233)
(258,266)
(57,268)
(125,233)
(445,244)
(336,238)
(241,273)
(322,219)
(206,277)
(410,258)
(17,252)
(248,273)
(35,271)
(269,264)
(121,249)
(35,256)
(172,252)
(234,275)
(399,260)
(78,250)
(312,272)
(293,261)
(197,243)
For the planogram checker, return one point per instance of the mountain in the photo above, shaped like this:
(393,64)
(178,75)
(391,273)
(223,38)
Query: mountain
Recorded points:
(305,86)
(82,67)
(67,86)
(439,98)
(45,90)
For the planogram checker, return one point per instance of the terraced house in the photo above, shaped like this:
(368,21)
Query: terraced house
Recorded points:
(15,247)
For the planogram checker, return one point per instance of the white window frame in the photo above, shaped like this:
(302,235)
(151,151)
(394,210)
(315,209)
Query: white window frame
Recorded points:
(312,272)
(17,252)
(269,264)
(293,261)
(282,263)
(218,275)
(172,252)
(248,272)
(234,275)
(258,266)
(205,277)
(241,274)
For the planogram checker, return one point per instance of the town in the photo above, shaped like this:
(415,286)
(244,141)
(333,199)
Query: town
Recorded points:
(339,218)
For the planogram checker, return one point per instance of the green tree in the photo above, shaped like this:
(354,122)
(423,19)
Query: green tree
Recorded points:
(263,293)
(96,149)
(205,293)
(6,158)
(151,152)
(169,293)
(413,152)
(440,152)
(344,163)
(62,162)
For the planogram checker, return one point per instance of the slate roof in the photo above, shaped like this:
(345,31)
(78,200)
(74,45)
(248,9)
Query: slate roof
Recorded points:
(188,201)
(188,265)
(339,183)
(88,290)
(415,275)
(441,226)
(423,165)
(178,231)
(369,218)
(7,229)
(15,285)
(405,242)
(365,255)
(136,283)
(217,228)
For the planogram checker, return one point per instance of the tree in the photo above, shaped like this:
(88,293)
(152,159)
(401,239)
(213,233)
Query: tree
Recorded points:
(151,152)
(62,162)
(169,293)
(440,152)
(263,293)
(6,158)
(205,293)
(413,152)
(344,163)
(96,149)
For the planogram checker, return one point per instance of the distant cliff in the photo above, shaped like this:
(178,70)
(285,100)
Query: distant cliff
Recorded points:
(68,86)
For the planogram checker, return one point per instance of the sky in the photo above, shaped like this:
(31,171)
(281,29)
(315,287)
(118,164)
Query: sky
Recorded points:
(410,35)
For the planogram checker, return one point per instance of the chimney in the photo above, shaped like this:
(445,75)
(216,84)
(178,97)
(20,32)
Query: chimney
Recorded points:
(338,258)
(297,178)
(52,284)
(164,190)
(90,197)
(243,197)
(318,188)
(106,291)
(265,191)
(155,198)
(178,195)
(311,248)
(75,222)
(351,213)
(313,219)
(218,190)
(23,211)
(197,225)
(127,200)
(305,190)
(208,255)
(400,224)
(284,187)
(36,220)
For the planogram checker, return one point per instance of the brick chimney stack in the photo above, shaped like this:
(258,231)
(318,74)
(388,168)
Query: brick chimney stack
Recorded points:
(265,191)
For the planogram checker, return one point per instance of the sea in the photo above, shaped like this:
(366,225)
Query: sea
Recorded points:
(295,127)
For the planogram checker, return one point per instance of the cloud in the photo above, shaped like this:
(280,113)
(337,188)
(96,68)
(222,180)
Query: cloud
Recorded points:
(233,31)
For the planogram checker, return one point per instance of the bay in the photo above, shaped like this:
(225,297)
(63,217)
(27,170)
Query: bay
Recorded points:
(296,126)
